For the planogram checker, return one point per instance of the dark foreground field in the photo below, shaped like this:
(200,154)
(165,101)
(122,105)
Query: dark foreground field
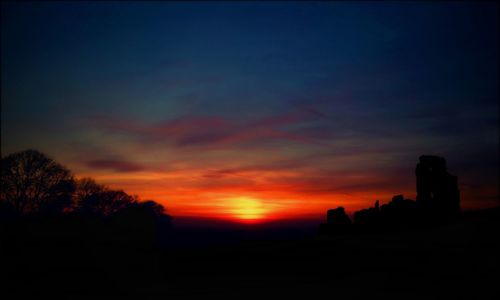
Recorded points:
(459,260)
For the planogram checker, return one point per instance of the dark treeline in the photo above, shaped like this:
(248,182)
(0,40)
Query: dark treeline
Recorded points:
(62,233)
(39,196)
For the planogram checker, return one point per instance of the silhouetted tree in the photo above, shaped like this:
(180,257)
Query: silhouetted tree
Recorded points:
(87,195)
(33,183)
(144,212)
(143,221)
(93,199)
(151,207)
(86,187)
(104,202)
(157,212)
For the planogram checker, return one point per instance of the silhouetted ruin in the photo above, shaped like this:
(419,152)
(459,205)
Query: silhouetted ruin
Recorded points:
(338,217)
(399,211)
(337,220)
(437,190)
(438,199)
(369,215)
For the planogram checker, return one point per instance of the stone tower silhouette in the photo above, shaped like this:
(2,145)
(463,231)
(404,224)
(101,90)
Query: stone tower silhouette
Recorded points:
(437,190)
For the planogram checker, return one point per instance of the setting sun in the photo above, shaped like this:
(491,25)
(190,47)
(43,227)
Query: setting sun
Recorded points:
(247,208)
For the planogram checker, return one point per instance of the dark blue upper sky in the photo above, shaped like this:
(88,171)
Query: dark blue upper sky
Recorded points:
(388,81)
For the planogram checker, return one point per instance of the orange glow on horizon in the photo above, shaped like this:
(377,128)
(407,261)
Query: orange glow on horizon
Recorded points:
(246,208)
(188,195)
(255,196)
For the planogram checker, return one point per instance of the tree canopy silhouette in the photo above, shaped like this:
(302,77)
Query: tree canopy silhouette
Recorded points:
(32,183)
(94,199)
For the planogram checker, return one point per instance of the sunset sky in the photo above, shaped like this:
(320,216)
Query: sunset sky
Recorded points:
(255,110)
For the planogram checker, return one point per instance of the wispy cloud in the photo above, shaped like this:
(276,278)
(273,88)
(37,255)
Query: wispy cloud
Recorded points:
(206,131)
(114,165)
